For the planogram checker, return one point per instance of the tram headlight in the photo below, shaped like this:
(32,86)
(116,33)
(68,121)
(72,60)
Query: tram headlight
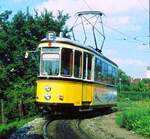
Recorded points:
(47,96)
(47,88)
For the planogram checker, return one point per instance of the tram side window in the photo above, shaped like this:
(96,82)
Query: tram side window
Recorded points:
(98,70)
(104,71)
(87,66)
(110,70)
(84,66)
(78,64)
(114,76)
(66,62)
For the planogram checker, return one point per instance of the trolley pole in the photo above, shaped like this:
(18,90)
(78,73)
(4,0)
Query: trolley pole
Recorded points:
(2,111)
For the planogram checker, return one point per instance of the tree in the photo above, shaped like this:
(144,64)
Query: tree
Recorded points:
(124,80)
(21,33)
(128,85)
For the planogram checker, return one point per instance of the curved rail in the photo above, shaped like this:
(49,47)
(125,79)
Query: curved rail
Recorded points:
(83,133)
(64,128)
(45,132)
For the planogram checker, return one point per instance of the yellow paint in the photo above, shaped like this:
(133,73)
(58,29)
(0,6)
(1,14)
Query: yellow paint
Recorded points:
(73,92)
(70,90)
(87,92)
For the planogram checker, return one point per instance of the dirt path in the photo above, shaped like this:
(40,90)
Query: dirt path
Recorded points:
(104,127)
(100,127)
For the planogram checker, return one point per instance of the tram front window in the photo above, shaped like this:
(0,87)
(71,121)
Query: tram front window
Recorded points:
(50,64)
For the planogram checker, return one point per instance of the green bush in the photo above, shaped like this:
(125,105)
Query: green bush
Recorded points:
(134,95)
(136,119)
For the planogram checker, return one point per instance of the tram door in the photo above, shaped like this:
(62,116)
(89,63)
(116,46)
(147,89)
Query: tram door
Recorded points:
(87,75)
(87,92)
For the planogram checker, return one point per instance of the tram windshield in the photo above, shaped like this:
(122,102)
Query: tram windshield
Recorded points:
(50,64)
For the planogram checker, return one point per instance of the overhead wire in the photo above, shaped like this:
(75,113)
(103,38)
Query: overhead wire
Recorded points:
(129,40)
(148,12)
(127,37)
(86,3)
(142,6)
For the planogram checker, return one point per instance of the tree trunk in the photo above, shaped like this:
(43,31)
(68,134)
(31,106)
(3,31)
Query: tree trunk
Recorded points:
(21,109)
(2,111)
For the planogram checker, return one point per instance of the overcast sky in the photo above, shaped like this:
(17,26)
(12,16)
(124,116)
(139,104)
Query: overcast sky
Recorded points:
(131,18)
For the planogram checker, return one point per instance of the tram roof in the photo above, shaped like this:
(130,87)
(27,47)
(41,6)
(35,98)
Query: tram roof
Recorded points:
(78,44)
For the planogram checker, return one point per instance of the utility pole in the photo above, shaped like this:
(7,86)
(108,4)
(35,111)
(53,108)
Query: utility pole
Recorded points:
(2,111)
(120,85)
(149,30)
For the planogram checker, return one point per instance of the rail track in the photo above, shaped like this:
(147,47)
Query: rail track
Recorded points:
(82,132)
(61,127)
(45,132)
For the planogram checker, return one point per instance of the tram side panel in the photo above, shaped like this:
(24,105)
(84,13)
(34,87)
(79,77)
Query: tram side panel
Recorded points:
(104,95)
(98,95)
(76,93)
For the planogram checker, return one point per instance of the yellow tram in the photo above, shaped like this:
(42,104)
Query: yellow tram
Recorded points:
(74,76)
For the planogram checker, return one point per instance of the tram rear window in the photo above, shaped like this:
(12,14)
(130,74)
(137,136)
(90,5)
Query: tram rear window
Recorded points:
(66,62)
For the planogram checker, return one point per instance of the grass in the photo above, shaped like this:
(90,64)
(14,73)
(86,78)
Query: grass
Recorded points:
(135,116)
(6,129)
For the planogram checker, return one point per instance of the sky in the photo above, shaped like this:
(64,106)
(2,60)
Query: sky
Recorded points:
(127,31)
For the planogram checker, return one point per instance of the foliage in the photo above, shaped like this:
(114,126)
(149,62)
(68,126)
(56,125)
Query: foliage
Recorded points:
(136,117)
(18,76)
(133,95)
(126,83)
(6,129)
